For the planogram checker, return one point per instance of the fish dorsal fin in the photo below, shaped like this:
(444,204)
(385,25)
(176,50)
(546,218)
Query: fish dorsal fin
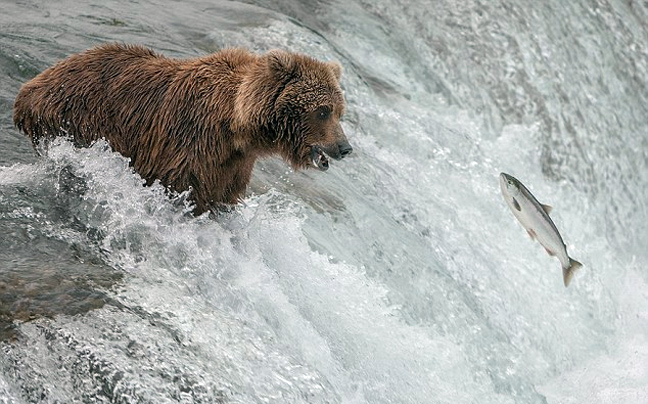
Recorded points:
(546,208)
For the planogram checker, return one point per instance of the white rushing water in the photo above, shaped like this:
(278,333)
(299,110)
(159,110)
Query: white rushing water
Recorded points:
(398,276)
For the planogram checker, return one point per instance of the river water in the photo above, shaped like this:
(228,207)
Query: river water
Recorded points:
(398,276)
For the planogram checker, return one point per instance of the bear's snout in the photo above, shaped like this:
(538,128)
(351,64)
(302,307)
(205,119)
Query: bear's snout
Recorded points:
(345,149)
(319,155)
(338,150)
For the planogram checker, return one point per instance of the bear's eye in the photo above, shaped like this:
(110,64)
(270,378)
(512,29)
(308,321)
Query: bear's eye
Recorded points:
(323,113)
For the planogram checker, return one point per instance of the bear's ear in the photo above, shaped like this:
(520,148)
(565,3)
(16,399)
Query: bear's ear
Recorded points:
(281,64)
(337,69)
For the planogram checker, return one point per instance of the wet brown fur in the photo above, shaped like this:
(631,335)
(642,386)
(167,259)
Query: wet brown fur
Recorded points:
(196,123)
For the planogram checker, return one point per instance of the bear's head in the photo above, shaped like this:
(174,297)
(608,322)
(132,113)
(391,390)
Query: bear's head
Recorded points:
(296,103)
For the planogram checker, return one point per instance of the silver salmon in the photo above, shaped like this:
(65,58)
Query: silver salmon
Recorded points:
(534,217)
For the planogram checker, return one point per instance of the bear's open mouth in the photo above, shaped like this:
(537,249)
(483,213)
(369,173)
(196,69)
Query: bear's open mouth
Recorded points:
(319,158)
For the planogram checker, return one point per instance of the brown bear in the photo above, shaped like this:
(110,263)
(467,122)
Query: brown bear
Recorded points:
(196,124)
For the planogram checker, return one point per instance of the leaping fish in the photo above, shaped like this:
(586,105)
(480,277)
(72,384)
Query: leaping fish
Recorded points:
(534,217)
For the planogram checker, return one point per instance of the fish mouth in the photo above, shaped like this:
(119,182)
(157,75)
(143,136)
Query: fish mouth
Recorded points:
(507,177)
(319,158)
(509,184)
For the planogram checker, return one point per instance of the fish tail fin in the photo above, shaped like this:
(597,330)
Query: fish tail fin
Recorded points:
(568,272)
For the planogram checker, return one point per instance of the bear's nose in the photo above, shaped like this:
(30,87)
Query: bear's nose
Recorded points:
(345,150)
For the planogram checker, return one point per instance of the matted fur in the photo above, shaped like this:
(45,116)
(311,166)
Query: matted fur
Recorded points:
(196,123)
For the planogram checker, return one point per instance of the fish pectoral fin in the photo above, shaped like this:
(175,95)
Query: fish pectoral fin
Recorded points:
(531,234)
(568,272)
(546,208)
